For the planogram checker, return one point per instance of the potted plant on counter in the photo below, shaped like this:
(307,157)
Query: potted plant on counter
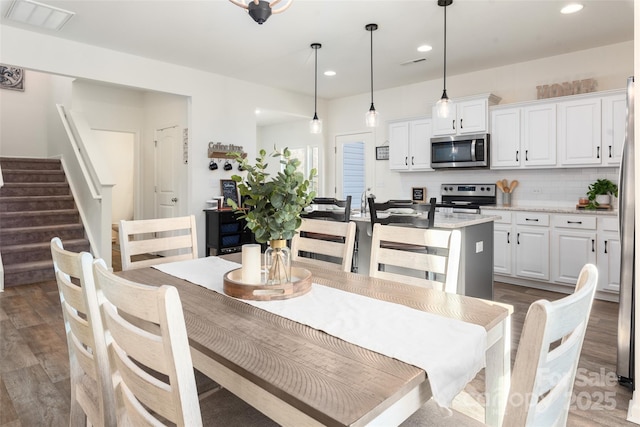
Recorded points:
(273,207)
(600,193)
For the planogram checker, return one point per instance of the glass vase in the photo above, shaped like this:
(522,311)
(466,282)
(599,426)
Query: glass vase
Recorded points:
(277,263)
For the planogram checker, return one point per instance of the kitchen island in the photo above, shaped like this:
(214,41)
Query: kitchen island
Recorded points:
(476,252)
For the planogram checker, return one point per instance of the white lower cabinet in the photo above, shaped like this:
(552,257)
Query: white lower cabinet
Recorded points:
(609,255)
(573,244)
(552,248)
(532,245)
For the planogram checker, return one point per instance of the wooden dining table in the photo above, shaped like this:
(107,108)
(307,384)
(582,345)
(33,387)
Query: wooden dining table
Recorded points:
(300,376)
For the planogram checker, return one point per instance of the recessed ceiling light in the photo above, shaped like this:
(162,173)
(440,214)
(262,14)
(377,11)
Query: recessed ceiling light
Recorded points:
(38,14)
(329,73)
(424,48)
(257,111)
(571,8)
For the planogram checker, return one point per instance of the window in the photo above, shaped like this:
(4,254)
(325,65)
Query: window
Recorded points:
(309,158)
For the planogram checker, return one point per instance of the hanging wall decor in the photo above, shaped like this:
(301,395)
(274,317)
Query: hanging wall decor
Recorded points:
(11,78)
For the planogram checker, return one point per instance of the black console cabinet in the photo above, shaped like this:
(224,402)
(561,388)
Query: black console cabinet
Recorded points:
(225,232)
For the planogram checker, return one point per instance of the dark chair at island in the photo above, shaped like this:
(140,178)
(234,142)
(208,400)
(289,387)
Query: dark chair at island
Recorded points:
(334,209)
(402,212)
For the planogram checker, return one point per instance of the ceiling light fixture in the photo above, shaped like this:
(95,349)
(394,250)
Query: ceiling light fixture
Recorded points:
(329,73)
(371,119)
(38,14)
(424,48)
(315,125)
(571,8)
(261,10)
(443,104)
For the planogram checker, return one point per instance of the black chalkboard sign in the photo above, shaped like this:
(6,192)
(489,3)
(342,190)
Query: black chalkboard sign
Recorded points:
(419,194)
(229,191)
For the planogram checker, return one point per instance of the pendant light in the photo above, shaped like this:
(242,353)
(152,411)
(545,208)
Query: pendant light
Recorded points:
(371,119)
(443,104)
(315,125)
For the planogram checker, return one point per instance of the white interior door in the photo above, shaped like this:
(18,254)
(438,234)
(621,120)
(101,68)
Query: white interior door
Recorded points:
(353,162)
(168,160)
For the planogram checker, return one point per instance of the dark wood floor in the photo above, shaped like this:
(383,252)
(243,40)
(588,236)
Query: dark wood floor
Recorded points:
(34,367)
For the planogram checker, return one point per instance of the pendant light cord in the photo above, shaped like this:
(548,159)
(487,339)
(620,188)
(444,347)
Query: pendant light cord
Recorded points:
(315,95)
(445,49)
(371,32)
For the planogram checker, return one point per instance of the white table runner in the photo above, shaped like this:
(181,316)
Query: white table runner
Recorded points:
(452,352)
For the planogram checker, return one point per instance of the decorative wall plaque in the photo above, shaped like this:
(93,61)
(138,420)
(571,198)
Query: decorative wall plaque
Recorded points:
(11,78)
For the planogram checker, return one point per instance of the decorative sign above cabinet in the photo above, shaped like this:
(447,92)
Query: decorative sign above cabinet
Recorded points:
(567,88)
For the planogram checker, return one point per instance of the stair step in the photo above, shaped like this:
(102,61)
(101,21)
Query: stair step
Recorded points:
(35,189)
(43,234)
(30,163)
(33,176)
(32,252)
(35,203)
(28,272)
(38,218)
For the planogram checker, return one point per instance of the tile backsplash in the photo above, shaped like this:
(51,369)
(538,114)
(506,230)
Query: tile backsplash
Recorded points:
(537,187)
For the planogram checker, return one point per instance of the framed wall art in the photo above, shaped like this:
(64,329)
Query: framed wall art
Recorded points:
(382,152)
(11,78)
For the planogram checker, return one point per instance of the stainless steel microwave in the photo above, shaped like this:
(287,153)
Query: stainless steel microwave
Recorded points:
(460,151)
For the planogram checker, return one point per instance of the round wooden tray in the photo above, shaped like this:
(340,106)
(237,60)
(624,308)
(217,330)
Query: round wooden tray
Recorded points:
(300,285)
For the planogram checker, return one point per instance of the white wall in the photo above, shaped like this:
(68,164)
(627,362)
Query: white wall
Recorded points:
(119,150)
(609,65)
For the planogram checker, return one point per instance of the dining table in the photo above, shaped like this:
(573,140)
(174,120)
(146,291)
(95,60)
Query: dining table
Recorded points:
(298,375)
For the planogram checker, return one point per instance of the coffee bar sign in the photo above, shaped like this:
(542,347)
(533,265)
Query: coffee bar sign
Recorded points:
(567,88)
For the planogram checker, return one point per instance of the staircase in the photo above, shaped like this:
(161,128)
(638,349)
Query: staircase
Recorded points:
(35,205)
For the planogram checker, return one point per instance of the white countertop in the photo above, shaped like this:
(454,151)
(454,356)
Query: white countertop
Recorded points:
(558,210)
(442,220)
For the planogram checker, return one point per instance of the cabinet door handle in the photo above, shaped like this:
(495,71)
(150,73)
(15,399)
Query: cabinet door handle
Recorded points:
(406,161)
(412,161)
(610,155)
(517,152)
(174,200)
(574,222)
(605,246)
(593,245)
(460,123)
(453,124)
(518,238)
(598,152)
(526,155)
(532,219)
(508,237)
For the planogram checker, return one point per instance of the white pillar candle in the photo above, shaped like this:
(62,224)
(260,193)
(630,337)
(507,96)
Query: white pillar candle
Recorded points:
(251,264)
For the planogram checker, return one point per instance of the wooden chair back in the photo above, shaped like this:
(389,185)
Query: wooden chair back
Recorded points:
(341,211)
(175,239)
(438,260)
(92,397)
(548,355)
(145,331)
(383,213)
(327,244)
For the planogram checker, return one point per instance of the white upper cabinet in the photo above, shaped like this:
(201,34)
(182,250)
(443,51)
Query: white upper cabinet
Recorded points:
(505,138)
(539,135)
(579,132)
(410,145)
(614,116)
(466,116)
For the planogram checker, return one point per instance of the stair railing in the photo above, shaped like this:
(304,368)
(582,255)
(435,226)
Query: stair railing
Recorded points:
(90,181)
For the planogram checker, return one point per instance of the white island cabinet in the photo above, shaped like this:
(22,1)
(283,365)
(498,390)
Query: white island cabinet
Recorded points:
(476,254)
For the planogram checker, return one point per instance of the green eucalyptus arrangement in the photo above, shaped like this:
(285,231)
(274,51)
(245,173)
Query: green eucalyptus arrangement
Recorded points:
(273,207)
(602,186)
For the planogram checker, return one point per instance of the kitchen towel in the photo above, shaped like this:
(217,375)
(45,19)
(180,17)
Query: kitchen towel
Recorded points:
(452,352)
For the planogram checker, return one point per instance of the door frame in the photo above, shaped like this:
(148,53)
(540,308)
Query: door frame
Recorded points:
(368,137)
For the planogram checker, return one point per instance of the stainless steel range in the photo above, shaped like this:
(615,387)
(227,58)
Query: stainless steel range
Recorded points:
(466,198)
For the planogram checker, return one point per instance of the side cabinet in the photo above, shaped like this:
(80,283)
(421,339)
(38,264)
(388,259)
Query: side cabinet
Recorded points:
(609,255)
(573,245)
(532,245)
(225,232)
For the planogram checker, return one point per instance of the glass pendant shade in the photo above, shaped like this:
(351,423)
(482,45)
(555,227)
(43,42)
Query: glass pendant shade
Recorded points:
(443,105)
(315,125)
(371,118)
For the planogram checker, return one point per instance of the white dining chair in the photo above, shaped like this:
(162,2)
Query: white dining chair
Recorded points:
(327,244)
(92,397)
(145,333)
(435,266)
(548,354)
(173,239)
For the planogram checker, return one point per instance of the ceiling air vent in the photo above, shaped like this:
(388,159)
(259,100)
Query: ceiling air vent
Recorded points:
(38,14)
(413,61)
